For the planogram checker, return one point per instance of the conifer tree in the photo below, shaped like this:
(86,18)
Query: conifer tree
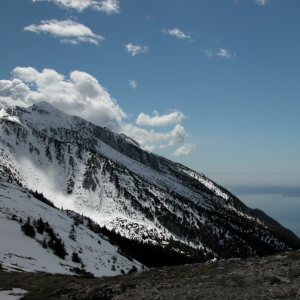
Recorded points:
(28,229)
(40,227)
(72,233)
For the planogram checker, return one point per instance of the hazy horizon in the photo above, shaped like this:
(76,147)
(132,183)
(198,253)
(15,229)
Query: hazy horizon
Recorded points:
(280,203)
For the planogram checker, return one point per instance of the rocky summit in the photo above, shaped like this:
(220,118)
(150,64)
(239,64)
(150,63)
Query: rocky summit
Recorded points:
(109,178)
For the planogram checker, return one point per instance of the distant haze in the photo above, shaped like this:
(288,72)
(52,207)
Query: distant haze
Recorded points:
(280,203)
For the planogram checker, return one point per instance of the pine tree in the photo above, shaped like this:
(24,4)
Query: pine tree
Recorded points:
(72,233)
(40,227)
(28,229)
(60,249)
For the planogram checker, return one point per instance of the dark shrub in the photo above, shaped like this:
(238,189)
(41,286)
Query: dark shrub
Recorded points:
(82,272)
(44,243)
(132,270)
(59,247)
(76,258)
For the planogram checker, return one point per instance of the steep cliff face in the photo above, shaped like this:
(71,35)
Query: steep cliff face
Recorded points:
(113,180)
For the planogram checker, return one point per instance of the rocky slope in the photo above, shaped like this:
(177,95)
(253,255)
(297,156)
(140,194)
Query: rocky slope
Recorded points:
(273,277)
(113,180)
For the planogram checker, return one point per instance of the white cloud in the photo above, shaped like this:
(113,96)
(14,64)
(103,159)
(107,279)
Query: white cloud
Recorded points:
(82,95)
(107,6)
(79,95)
(130,48)
(13,88)
(208,53)
(176,32)
(224,53)
(133,83)
(150,147)
(157,120)
(144,137)
(71,31)
(78,40)
(261,2)
(221,53)
(184,149)
(177,135)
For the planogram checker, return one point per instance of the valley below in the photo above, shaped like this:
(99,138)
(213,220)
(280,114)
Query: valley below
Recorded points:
(272,277)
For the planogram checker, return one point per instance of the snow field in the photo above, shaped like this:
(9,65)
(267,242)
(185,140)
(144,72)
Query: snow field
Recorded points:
(22,252)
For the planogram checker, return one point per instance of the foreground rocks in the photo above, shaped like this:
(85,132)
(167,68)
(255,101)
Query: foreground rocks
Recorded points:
(274,277)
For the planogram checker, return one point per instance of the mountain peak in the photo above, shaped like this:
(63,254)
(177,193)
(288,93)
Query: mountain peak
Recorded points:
(45,108)
(41,115)
(44,105)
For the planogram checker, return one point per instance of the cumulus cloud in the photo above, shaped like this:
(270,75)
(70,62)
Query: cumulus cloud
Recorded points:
(150,138)
(135,49)
(13,88)
(133,83)
(177,135)
(82,95)
(184,149)
(176,32)
(71,32)
(157,120)
(107,6)
(224,53)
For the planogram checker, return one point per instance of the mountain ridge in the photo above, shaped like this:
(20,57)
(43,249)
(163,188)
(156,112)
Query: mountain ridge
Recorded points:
(116,182)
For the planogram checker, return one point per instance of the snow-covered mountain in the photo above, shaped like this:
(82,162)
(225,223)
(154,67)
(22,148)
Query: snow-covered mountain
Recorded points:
(19,252)
(110,178)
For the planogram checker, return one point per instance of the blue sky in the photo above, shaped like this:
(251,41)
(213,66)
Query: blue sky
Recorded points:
(212,84)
